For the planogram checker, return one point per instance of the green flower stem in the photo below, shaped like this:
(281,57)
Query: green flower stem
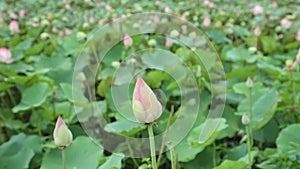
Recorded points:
(293,88)
(63,153)
(250,116)
(214,154)
(152,146)
(249,146)
(164,136)
(11,97)
(173,155)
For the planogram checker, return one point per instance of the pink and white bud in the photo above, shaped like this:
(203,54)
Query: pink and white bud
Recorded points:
(205,2)
(169,42)
(12,15)
(145,104)
(211,5)
(14,27)
(68,32)
(257,31)
(285,22)
(5,56)
(249,82)
(274,4)
(206,21)
(298,35)
(22,13)
(67,6)
(157,2)
(167,9)
(92,19)
(98,4)
(35,24)
(258,10)
(62,135)
(183,17)
(101,22)
(108,7)
(127,41)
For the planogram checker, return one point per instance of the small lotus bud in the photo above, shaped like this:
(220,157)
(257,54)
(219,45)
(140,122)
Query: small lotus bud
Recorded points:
(152,42)
(115,64)
(45,36)
(45,23)
(62,135)
(127,41)
(81,37)
(174,34)
(245,119)
(6,56)
(289,65)
(249,82)
(86,25)
(252,50)
(169,42)
(145,104)
(81,76)
(298,56)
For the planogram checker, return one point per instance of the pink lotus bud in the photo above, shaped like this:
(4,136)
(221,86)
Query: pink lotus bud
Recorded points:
(107,7)
(206,21)
(205,2)
(5,56)
(127,41)
(67,6)
(249,82)
(101,22)
(245,119)
(274,4)
(68,31)
(157,2)
(169,42)
(35,24)
(183,17)
(62,135)
(167,9)
(298,35)
(285,22)
(257,31)
(98,4)
(92,19)
(14,27)
(258,10)
(211,5)
(145,104)
(22,13)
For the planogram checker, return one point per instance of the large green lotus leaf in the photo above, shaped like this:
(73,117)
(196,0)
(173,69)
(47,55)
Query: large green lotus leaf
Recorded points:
(242,88)
(19,150)
(240,54)
(185,152)
(124,126)
(228,164)
(264,103)
(288,140)
(33,96)
(82,154)
(113,162)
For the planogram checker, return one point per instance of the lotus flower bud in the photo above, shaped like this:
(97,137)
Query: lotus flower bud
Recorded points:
(145,104)
(5,56)
(62,135)
(258,10)
(174,34)
(45,36)
(81,36)
(14,27)
(249,82)
(115,64)
(252,50)
(127,41)
(152,42)
(289,65)
(298,56)
(206,21)
(245,119)
(169,42)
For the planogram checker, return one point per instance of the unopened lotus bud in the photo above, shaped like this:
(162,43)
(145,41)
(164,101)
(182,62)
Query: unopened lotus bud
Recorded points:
(127,41)
(289,65)
(45,36)
(86,25)
(62,135)
(252,50)
(298,56)
(115,64)
(152,42)
(81,37)
(45,22)
(174,34)
(249,82)
(145,104)
(245,119)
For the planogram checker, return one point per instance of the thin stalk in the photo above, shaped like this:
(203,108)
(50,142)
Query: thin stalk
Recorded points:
(53,106)
(63,154)
(11,97)
(249,146)
(214,154)
(152,146)
(293,88)
(131,153)
(250,116)
(165,135)
(173,156)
